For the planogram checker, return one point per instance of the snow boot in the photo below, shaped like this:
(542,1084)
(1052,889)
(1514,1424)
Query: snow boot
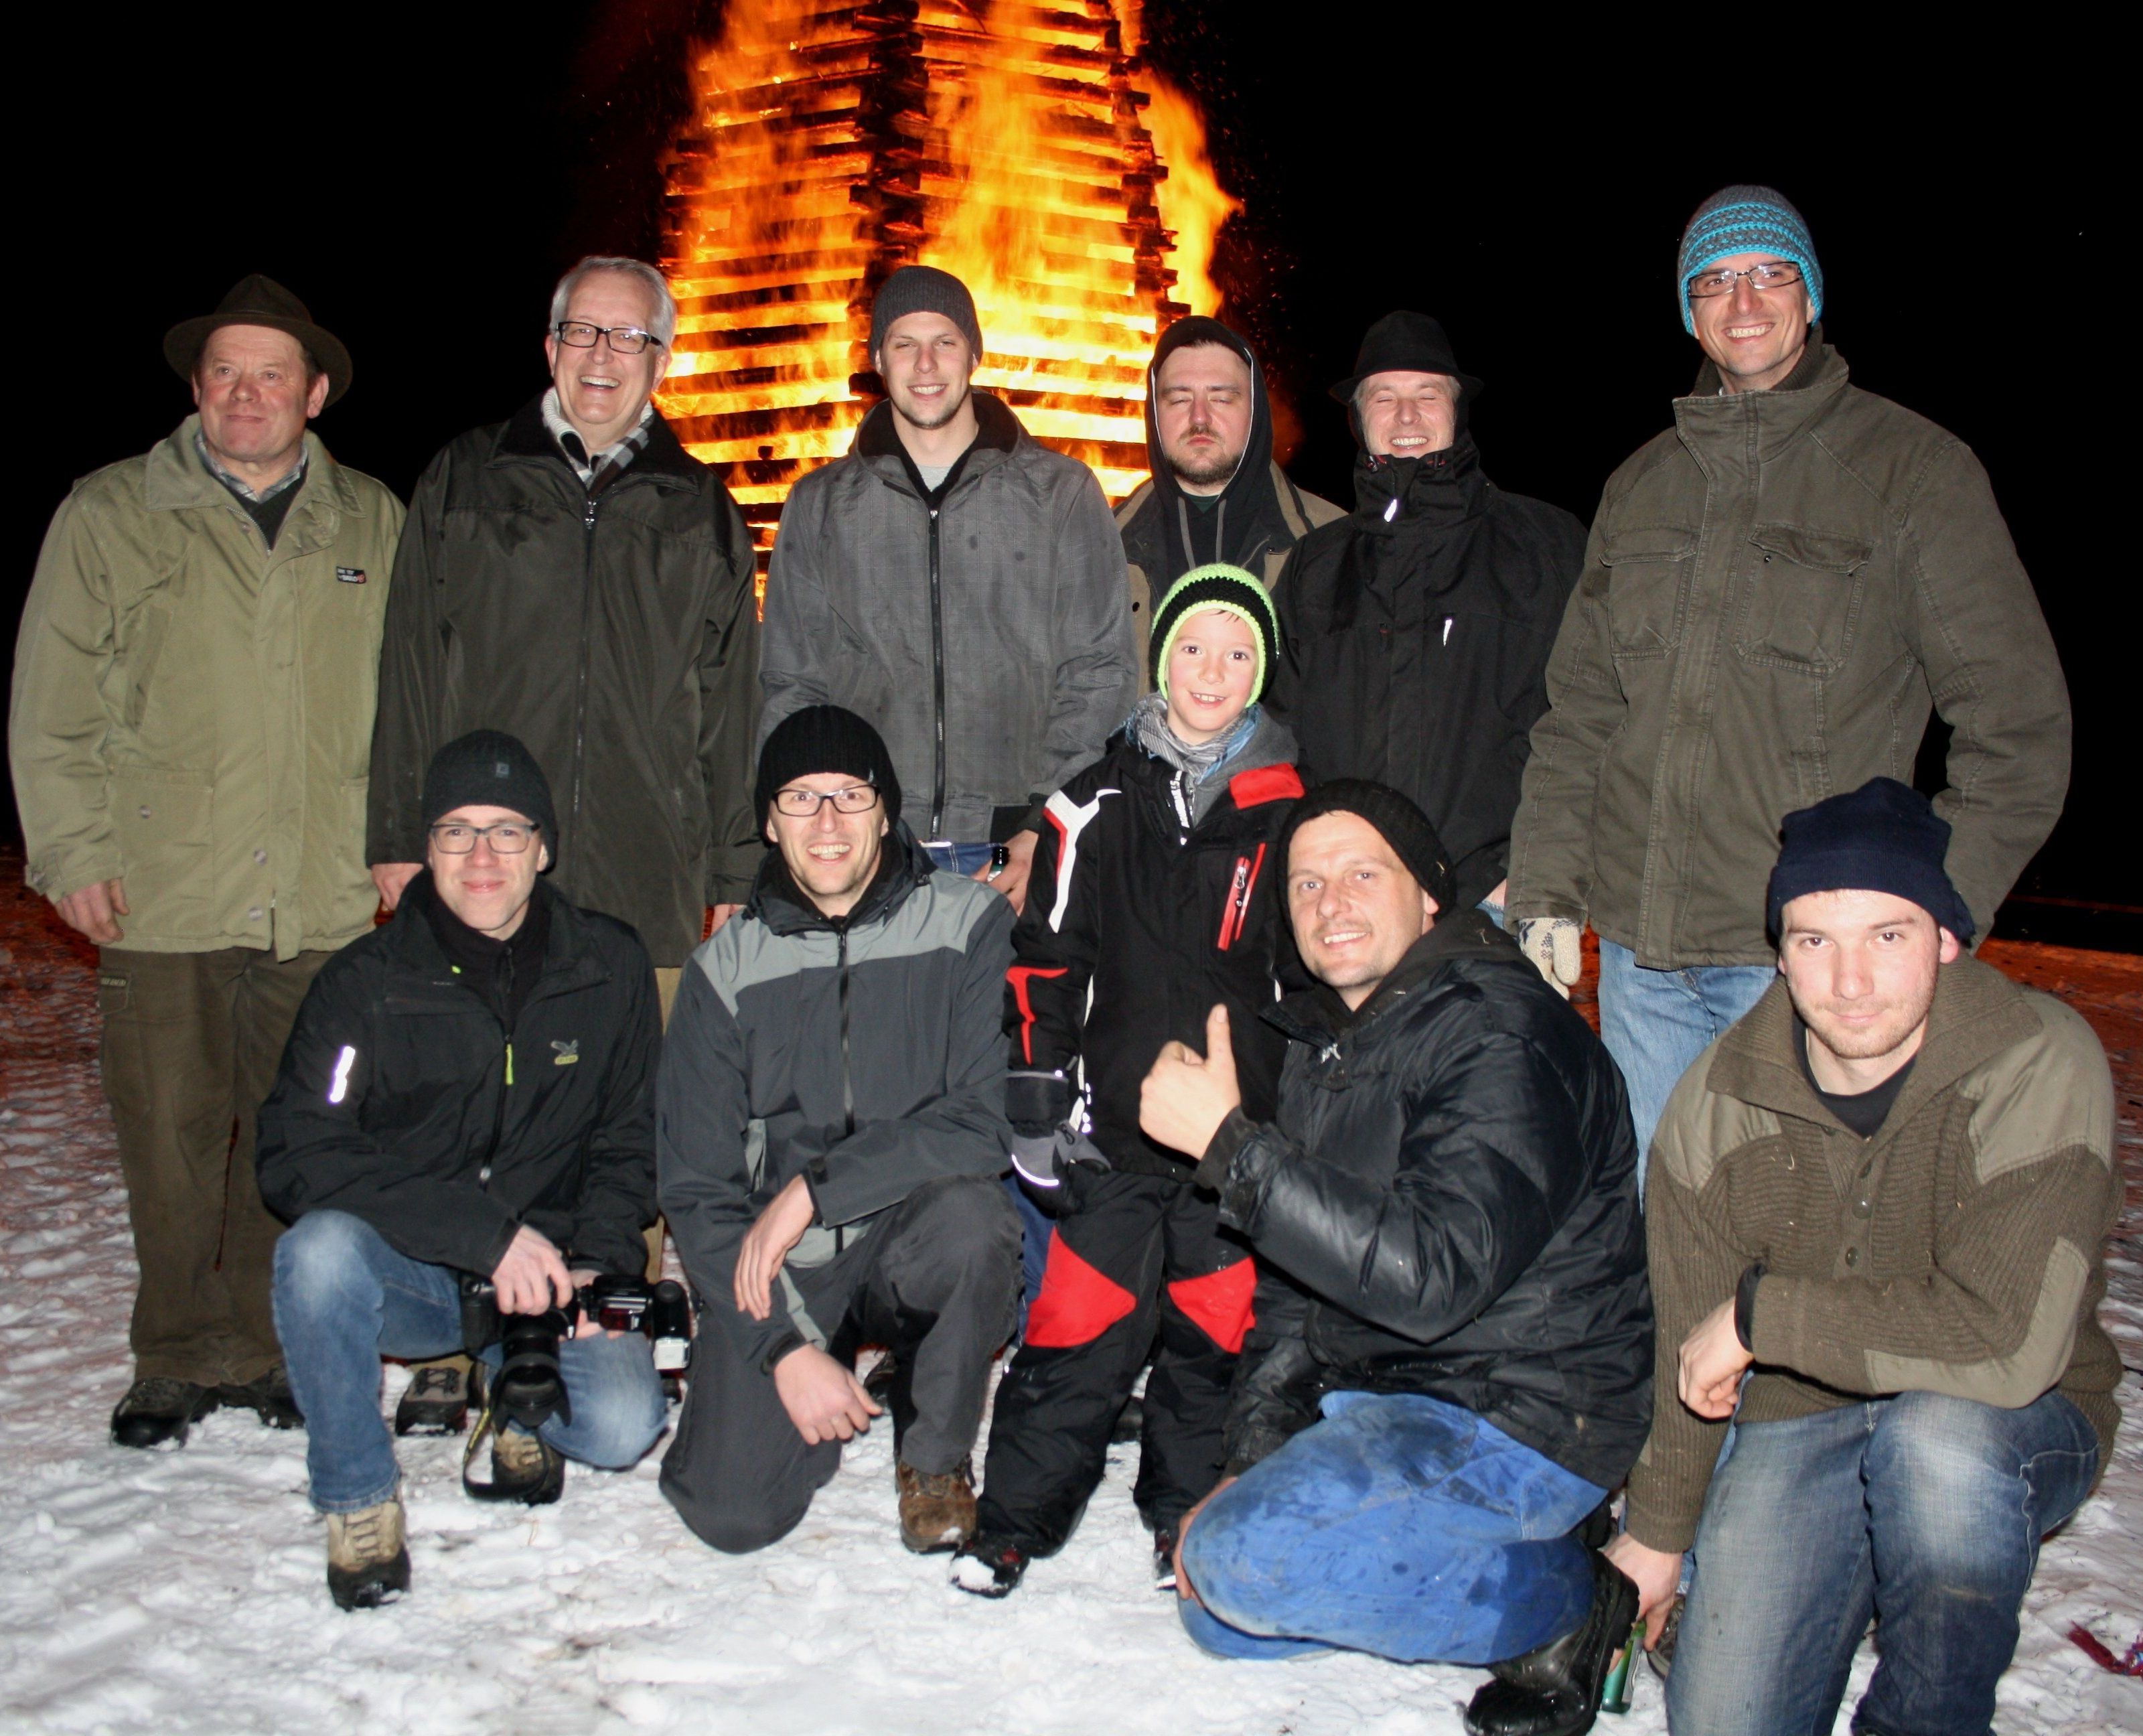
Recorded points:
(937,1508)
(1164,1540)
(158,1411)
(989,1566)
(368,1556)
(1554,1689)
(435,1401)
(526,1468)
(269,1398)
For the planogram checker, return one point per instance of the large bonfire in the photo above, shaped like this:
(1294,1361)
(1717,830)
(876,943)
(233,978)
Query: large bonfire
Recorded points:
(1022,146)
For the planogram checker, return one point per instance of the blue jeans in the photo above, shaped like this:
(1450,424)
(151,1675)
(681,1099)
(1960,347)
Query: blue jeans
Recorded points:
(967,860)
(1655,1023)
(1923,1511)
(1399,1526)
(344,1299)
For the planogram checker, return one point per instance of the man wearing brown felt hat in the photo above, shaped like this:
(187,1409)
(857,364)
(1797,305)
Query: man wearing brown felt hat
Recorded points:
(189,737)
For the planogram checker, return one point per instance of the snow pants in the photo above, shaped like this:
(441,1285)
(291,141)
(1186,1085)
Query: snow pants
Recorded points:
(191,1040)
(1126,1247)
(936,1279)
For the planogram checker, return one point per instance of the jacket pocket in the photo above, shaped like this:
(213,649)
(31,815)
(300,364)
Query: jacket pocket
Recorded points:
(166,827)
(1800,601)
(1646,565)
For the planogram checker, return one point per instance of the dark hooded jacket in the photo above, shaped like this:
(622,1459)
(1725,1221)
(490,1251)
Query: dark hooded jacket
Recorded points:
(1253,523)
(1447,1205)
(1414,640)
(1136,924)
(615,633)
(447,1106)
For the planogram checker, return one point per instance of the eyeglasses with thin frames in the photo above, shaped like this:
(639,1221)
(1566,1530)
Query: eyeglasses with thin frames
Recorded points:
(507,838)
(1774,276)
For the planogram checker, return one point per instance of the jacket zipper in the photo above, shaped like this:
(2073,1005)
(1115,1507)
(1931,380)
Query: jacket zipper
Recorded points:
(1238,897)
(847,1090)
(581,687)
(938,677)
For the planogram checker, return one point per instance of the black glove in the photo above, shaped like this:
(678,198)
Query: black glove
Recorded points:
(1044,1144)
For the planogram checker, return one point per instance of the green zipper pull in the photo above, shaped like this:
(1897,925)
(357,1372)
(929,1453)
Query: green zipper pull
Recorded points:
(509,1061)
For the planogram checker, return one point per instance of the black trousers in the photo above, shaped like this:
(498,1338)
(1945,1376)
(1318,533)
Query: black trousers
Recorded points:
(1126,1247)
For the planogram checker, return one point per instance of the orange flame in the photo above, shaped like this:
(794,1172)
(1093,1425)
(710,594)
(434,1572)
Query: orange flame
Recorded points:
(1002,139)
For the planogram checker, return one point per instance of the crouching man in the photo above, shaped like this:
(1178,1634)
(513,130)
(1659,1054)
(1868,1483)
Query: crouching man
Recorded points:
(469,1091)
(1886,1189)
(830,1136)
(1451,1358)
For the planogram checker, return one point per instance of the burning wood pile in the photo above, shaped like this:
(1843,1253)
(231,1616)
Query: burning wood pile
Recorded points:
(1021,146)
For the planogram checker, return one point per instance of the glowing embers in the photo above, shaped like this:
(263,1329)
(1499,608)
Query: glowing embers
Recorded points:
(831,143)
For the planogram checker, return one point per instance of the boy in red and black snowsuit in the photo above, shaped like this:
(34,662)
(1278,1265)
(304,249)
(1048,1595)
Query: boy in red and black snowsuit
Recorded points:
(1156,892)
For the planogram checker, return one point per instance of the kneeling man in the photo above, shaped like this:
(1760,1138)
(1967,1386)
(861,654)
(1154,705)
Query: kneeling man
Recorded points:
(1887,1189)
(831,1134)
(469,1091)
(1451,1365)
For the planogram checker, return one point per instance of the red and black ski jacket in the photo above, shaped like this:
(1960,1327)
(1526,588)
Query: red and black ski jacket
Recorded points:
(1133,930)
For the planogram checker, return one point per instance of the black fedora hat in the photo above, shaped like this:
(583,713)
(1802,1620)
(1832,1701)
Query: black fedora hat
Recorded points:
(258,300)
(1405,343)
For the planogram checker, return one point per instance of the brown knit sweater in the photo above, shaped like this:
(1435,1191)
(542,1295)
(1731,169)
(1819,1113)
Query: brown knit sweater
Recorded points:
(1958,1251)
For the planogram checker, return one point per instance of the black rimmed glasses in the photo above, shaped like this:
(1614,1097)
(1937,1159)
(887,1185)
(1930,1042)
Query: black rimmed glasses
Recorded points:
(804,804)
(509,838)
(1774,276)
(626,340)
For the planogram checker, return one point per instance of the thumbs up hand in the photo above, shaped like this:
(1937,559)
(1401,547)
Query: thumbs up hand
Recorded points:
(1187,1096)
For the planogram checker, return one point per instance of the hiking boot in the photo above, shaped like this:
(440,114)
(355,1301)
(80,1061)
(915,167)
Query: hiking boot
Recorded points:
(1165,1538)
(158,1411)
(1554,1689)
(368,1556)
(937,1508)
(269,1398)
(989,1566)
(435,1401)
(526,1468)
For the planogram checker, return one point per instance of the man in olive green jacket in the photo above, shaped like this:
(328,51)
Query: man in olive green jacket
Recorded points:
(1777,592)
(189,738)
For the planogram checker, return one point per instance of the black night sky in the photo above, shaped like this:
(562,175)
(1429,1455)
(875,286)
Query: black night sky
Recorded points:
(421,175)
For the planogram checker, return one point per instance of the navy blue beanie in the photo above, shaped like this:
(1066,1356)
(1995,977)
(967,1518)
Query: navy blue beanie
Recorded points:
(1884,837)
(1746,219)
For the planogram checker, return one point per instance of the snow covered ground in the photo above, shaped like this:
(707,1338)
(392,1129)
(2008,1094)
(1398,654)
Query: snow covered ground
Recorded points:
(183,1592)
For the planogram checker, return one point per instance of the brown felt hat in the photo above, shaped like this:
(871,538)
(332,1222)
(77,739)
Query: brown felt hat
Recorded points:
(258,300)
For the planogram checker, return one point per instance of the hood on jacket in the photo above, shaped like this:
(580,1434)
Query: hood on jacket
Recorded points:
(1247,516)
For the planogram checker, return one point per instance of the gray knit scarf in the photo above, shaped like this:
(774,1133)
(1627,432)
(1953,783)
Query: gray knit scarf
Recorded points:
(1194,787)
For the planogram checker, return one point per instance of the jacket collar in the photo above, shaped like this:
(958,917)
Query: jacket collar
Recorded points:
(1978,1012)
(1437,492)
(413,949)
(997,433)
(176,481)
(1735,431)
(1319,1016)
(777,900)
(526,437)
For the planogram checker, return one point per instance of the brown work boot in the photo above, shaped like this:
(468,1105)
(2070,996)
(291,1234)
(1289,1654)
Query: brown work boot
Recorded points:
(368,1556)
(524,1468)
(937,1508)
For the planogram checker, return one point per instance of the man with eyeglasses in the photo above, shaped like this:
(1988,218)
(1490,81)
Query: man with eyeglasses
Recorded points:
(1777,592)
(192,715)
(573,576)
(470,1093)
(831,1129)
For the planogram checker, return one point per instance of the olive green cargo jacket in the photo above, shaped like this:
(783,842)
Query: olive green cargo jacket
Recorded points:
(192,711)
(1776,591)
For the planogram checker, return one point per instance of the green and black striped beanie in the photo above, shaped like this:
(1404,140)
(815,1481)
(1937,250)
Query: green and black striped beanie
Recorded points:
(1216,586)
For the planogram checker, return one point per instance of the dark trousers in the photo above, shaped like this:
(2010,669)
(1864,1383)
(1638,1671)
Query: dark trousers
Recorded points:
(936,1279)
(191,1042)
(1126,1247)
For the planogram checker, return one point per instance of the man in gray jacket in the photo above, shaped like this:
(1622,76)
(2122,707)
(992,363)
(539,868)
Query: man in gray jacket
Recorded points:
(830,1129)
(959,586)
(1776,592)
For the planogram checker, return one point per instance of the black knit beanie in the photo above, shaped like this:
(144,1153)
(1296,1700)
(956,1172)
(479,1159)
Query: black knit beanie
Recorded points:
(1405,827)
(1884,837)
(1217,586)
(490,769)
(924,289)
(825,738)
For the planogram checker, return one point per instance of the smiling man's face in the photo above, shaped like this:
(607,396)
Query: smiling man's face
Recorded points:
(1408,415)
(1861,968)
(1355,907)
(830,855)
(1755,336)
(600,392)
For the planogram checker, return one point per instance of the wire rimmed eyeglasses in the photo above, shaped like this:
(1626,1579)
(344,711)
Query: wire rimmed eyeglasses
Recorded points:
(509,838)
(1775,276)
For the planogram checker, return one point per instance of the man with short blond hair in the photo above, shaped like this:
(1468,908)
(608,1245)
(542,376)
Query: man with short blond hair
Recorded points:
(192,715)
(1882,1198)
